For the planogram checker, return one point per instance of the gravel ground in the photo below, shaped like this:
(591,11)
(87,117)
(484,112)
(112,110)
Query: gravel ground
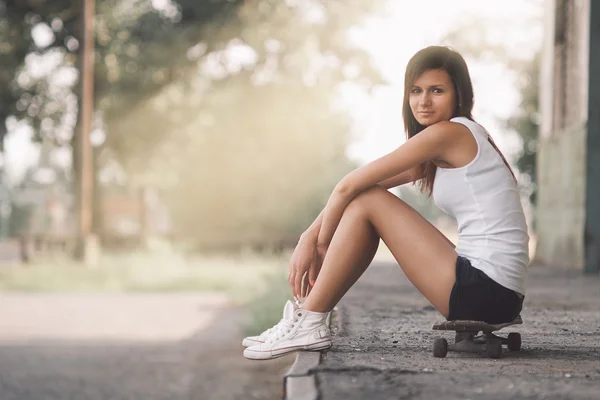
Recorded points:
(150,347)
(383,349)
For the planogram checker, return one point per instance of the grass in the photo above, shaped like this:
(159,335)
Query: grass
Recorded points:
(266,309)
(241,277)
(258,282)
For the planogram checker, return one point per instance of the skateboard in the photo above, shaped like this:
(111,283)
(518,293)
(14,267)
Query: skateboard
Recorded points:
(466,339)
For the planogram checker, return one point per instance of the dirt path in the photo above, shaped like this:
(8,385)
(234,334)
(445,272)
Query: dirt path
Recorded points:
(147,346)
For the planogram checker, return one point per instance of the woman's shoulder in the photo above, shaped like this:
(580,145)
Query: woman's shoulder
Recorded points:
(464,121)
(473,126)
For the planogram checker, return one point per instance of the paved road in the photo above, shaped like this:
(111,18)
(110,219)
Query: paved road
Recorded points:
(91,346)
(384,347)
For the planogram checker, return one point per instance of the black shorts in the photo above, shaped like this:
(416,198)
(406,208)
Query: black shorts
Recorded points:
(477,297)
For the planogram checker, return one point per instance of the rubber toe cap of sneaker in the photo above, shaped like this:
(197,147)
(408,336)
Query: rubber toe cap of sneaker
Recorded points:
(257,354)
(251,341)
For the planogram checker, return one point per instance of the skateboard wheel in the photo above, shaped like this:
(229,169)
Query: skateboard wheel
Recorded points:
(513,341)
(493,348)
(440,347)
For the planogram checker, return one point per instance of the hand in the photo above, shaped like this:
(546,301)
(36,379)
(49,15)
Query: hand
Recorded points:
(315,268)
(304,267)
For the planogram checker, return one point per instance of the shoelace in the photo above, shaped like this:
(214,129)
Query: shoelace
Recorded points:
(281,329)
(272,329)
(277,326)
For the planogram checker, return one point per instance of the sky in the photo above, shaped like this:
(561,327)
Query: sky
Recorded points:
(392,38)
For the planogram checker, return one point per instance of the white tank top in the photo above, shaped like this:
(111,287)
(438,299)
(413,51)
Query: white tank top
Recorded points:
(484,199)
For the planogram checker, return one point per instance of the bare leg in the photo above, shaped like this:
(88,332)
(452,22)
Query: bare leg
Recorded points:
(425,255)
(353,248)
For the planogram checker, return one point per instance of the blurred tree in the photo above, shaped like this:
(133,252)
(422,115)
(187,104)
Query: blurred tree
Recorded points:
(138,45)
(268,42)
(175,80)
(250,142)
(37,86)
(265,166)
(39,45)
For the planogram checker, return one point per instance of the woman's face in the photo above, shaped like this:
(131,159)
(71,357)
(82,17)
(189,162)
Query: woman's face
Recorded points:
(432,97)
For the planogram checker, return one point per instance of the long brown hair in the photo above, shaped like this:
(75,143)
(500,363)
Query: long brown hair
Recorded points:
(439,57)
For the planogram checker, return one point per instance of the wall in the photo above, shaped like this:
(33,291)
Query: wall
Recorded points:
(562,153)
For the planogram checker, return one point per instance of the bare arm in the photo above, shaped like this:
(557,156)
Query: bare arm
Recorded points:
(312,232)
(400,179)
(403,178)
(434,142)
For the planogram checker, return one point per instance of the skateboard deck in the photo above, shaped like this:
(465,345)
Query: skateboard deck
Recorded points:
(466,339)
(474,326)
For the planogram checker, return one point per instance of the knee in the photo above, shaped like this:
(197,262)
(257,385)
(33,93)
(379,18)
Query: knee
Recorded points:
(364,201)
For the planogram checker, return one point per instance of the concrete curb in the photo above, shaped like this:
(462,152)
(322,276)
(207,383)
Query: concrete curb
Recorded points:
(299,383)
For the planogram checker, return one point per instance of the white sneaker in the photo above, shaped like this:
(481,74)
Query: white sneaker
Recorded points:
(288,312)
(305,330)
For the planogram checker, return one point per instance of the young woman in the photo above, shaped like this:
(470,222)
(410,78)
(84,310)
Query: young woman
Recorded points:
(452,158)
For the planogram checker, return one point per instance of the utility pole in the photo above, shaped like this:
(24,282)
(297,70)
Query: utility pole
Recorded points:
(86,247)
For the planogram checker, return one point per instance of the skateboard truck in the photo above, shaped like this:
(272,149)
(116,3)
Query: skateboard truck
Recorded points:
(467,339)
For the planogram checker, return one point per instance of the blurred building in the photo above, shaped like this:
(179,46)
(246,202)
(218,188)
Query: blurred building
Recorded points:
(568,213)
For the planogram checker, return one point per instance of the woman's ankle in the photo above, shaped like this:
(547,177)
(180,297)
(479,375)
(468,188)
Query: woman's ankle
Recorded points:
(314,308)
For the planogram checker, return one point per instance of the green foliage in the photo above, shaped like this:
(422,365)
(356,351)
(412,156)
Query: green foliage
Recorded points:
(242,278)
(141,49)
(266,309)
(244,147)
(249,149)
(138,49)
(31,95)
